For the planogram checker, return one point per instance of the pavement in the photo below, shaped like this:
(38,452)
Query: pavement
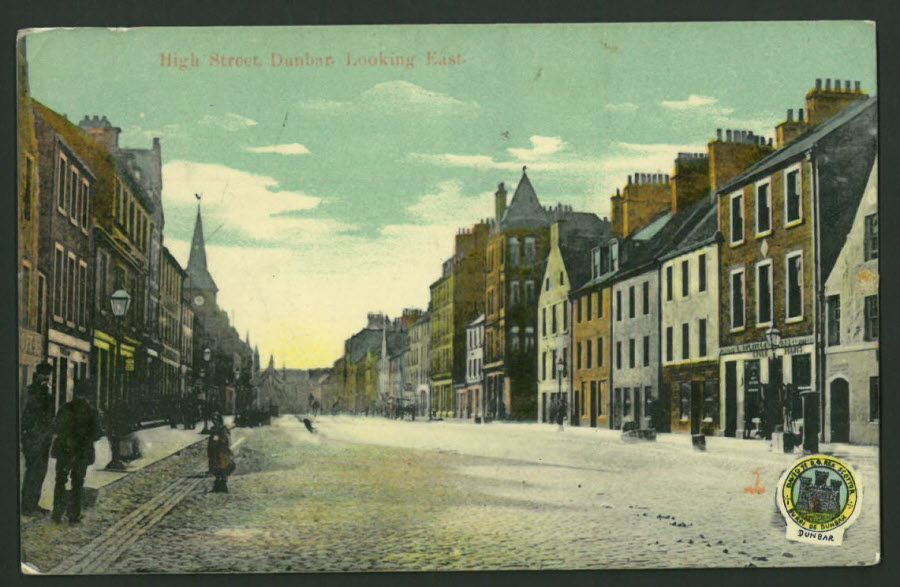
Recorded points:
(156,444)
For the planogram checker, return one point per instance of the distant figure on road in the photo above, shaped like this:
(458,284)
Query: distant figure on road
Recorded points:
(77,427)
(37,434)
(218,451)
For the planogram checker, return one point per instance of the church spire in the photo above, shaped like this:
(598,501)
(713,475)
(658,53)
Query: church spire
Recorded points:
(198,277)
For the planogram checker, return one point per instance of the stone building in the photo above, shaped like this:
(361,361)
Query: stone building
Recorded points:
(443,397)
(473,406)
(853,387)
(73,173)
(776,256)
(32,291)
(568,267)
(170,327)
(418,363)
(516,252)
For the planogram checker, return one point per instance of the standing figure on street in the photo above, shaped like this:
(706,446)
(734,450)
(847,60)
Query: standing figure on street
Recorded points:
(37,434)
(218,451)
(77,427)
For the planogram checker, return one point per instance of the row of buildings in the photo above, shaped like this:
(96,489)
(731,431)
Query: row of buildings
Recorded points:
(90,225)
(744,280)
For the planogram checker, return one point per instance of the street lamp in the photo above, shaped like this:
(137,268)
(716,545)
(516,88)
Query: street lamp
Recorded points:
(119,303)
(563,404)
(207,354)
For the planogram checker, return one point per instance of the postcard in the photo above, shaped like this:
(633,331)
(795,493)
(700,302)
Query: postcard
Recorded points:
(445,298)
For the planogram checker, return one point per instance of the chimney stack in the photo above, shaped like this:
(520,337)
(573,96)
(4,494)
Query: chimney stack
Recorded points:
(499,201)
(790,114)
(837,85)
(818,83)
(800,115)
(719,134)
(856,87)
(629,182)
(728,136)
(828,83)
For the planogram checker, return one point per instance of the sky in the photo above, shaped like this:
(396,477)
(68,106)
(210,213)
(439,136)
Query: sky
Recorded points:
(329,191)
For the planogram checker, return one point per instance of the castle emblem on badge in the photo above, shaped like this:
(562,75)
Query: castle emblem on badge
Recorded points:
(819,497)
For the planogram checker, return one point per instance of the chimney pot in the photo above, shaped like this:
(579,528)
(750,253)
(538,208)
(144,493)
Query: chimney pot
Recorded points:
(629,183)
(719,134)
(800,115)
(728,136)
(837,85)
(828,83)
(770,141)
(847,85)
(790,114)
(856,86)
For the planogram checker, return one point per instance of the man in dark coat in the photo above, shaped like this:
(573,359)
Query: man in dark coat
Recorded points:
(37,433)
(77,427)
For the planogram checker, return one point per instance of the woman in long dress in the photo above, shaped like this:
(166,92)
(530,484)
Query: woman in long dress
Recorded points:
(218,451)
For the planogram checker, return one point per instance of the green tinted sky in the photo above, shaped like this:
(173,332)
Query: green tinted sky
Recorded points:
(383,163)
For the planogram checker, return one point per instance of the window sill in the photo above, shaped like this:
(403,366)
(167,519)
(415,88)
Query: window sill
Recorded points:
(764,324)
(793,320)
(764,234)
(793,223)
(738,329)
(736,244)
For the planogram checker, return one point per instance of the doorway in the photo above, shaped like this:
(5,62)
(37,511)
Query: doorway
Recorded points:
(593,405)
(696,406)
(840,411)
(731,398)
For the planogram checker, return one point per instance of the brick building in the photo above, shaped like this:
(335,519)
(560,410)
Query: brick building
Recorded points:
(775,257)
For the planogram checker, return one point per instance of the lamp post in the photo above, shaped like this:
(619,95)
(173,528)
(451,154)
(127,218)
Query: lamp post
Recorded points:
(773,340)
(119,303)
(207,354)
(563,403)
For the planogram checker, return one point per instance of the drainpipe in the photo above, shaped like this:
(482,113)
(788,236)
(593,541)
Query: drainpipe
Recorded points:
(818,294)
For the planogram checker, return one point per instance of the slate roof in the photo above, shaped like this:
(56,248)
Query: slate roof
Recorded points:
(368,340)
(524,210)
(580,232)
(703,233)
(800,145)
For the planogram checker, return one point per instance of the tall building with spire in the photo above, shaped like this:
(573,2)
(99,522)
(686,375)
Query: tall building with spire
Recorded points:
(199,284)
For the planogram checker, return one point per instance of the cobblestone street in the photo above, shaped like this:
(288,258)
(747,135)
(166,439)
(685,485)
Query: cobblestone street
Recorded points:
(374,494)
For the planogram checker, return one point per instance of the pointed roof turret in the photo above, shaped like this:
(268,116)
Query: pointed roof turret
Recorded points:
(525,210)
(198,276)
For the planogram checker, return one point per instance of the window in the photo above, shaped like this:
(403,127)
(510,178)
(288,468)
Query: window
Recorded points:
(565,324)
(871,237)
(59,283)
(619,305)
(544,365)
(590,354)
(553,327)
(85,204)
(529,292)
(595,262)
(589,303)
(600,351)
(547,284)
(668,343)
(553,364)
(578,309)
(737,218)
(618,354)
(72,193)
(41,301)
(529,337)
(25,296)
(514,292)
(631,350)
(29,186)
(63,173)
(684,401)
(646,351)
(737,299)
(646,292)
(577,355)
(685,341)
(701,337)
(669,283)
(833,310)
(764,293)
(794,286)
(631,302)
(82,307)
(871,317)
(793,210)
(71,288)
(562,280)
(701,272)
(529,250)
(685,278)
(599,304)
(763,209)
(544,321)
(874,399)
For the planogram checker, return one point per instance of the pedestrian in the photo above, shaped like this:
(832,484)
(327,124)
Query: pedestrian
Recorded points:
(77,427)
(37,434)
(218,452)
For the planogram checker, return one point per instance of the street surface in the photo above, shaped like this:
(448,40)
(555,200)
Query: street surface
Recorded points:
(375,494)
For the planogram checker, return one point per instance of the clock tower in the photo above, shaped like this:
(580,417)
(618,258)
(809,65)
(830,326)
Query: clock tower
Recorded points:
(199,286)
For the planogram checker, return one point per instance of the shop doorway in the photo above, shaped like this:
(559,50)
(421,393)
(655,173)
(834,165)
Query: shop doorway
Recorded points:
(840,411)
(731,398)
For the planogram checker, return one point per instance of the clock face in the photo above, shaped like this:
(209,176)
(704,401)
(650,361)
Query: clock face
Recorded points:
(198,300)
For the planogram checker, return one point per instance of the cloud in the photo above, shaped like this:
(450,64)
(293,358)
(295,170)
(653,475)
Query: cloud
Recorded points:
(403,93)
(693,101)
(246,203)
(539,146)
(228,121)
(167,131)
(319,105)
(287,149)
(448,206)
(623,107)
